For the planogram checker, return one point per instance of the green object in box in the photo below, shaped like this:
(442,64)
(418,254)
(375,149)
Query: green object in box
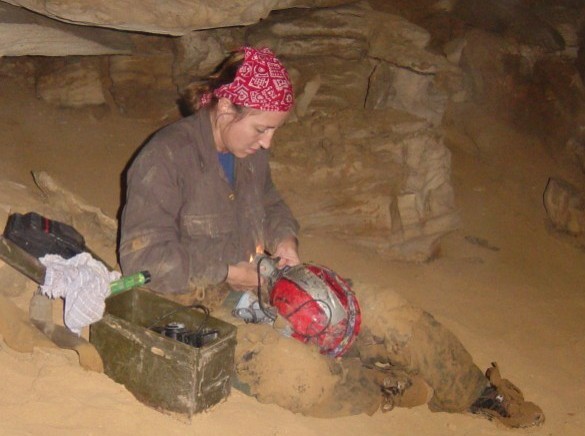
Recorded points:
(160,371)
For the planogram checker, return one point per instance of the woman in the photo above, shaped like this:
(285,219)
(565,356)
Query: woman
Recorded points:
(201,203)
(200,199)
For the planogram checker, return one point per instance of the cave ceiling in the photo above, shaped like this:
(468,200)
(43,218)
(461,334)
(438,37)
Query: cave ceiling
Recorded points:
(169,17)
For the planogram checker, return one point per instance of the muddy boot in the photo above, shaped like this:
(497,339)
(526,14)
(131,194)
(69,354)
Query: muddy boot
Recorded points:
(503,401)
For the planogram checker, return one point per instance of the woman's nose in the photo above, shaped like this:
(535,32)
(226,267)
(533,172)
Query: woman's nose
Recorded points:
(266,140)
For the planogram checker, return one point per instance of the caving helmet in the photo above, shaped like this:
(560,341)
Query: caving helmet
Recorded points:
(320,306)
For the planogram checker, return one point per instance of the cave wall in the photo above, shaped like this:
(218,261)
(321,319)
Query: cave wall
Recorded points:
(520,60)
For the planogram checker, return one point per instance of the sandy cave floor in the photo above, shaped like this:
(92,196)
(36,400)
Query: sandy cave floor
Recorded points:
(511,291)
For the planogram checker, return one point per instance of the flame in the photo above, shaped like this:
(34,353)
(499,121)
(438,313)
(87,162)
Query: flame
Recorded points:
(259,250)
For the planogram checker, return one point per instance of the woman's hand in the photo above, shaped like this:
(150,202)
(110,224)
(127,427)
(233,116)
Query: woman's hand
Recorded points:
(243,276)
(287,250)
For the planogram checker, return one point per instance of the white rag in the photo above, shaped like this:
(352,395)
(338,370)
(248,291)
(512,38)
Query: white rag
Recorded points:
(83,282)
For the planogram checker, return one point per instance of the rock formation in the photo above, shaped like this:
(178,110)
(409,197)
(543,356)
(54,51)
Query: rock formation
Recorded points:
(380,178)
(378,60)
(169,17)
(343,59)
(347,62)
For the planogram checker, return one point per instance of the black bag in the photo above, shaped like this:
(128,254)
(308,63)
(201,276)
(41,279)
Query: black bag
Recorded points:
(39,236)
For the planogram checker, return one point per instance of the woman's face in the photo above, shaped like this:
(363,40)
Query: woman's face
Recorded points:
(243,135)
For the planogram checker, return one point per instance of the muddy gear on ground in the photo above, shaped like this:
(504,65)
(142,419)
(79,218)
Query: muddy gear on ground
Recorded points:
(402,357)
(503,401)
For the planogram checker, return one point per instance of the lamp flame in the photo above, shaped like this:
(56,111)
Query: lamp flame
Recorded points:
(259,250)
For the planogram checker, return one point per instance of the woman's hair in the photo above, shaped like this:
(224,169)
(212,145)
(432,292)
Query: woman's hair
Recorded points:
(225,73)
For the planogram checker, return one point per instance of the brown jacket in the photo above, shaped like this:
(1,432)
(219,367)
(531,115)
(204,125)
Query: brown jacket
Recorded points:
(182,219)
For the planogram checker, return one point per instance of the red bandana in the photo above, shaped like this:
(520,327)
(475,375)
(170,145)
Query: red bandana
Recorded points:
(261,82)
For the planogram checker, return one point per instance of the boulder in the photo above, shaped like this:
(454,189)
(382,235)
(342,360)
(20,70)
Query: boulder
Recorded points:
(380,178)
(424,95)
(408,76)
(424,207)
(169,17)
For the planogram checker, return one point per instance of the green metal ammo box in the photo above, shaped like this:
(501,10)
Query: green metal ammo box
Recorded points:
(160,371)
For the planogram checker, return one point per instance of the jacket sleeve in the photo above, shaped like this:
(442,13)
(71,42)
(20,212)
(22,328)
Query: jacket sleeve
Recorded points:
(280,222)
(150,237)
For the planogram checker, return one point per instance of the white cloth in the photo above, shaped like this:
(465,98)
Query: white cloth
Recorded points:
(83,282)
(248,309)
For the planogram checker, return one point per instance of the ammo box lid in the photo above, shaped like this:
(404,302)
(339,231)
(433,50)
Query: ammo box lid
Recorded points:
(160,371)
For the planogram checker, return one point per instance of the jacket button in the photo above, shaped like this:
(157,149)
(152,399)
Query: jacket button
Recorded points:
(232,196)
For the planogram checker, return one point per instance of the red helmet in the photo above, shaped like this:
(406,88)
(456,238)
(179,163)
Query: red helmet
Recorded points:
(319,305)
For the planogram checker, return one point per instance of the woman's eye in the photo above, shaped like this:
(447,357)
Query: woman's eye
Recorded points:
(261,131)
